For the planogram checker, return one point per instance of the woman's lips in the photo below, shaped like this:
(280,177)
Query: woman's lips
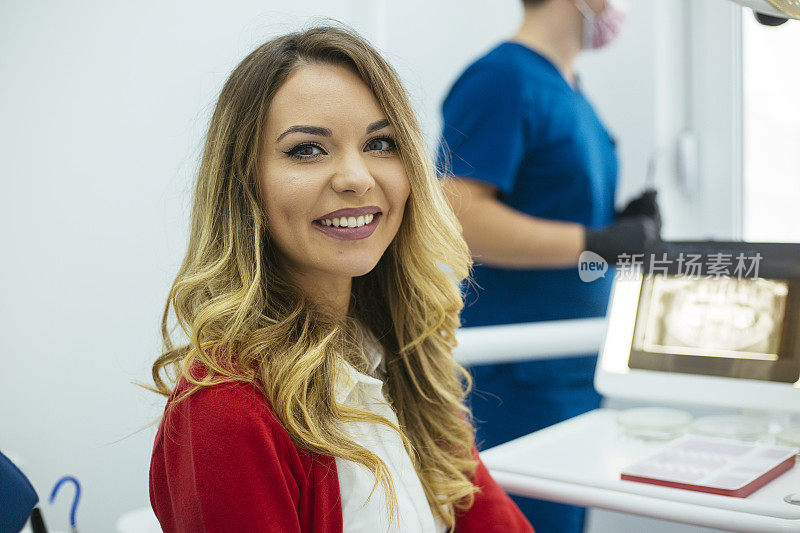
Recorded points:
(349,234)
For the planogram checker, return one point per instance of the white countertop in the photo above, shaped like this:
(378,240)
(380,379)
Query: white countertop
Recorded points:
(578,462)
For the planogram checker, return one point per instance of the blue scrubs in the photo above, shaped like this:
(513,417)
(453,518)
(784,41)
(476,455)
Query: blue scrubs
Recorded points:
(512,120)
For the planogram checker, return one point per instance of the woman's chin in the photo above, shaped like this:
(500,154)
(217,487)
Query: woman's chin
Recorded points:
(356,268)
(354,273)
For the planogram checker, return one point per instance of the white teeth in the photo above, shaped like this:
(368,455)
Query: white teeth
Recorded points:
(347,222)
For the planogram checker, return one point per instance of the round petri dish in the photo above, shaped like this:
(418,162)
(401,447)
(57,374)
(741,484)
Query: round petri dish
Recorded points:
(743,428)
(653,423)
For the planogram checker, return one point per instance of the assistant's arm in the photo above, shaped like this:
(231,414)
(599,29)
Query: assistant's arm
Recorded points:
(501,236)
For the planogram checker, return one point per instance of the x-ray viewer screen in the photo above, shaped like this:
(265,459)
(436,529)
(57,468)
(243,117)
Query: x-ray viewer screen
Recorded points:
(743,328)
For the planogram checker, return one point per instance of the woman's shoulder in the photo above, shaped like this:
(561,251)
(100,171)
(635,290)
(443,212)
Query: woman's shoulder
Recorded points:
(223,462)
(237,409)
(239,391)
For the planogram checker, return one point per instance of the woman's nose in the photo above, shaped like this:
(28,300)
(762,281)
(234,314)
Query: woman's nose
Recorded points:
(353,175)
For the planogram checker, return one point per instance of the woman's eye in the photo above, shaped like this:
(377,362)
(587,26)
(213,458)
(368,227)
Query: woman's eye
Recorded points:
(382,144)
(305,151)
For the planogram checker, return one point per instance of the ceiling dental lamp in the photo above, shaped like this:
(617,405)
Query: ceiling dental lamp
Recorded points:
(773,12)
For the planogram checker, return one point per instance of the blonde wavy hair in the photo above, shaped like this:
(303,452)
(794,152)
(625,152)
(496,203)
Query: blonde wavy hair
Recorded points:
(246,321)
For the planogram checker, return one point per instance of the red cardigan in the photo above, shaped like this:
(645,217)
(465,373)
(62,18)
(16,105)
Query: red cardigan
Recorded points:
(222,462)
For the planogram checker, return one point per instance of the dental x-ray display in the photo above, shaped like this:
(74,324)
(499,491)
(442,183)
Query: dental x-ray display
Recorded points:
(739,318)
(741,327)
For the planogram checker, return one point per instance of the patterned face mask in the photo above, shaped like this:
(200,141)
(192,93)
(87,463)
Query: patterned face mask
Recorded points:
(599,29)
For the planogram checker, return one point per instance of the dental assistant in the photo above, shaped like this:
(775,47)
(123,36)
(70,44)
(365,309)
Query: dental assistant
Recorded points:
(534,176)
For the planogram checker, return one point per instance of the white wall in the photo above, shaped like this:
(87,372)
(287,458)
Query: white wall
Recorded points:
(103,108)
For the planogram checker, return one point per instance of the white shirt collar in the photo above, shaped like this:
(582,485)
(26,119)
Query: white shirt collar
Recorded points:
(350,378)
(373,349)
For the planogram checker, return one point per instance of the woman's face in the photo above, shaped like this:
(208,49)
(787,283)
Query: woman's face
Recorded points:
(333,184)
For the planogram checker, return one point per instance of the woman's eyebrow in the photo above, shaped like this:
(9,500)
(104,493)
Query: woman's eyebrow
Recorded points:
(378,124)
(311,130)
(326,132)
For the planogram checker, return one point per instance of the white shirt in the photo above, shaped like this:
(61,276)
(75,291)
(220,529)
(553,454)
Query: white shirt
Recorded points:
(356,481)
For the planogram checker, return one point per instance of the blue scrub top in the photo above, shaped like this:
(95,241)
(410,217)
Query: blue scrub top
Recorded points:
(513,121)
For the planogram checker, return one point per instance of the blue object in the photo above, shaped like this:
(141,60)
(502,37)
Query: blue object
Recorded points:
(513,121)
(75,500)
(507,404)
(17,497)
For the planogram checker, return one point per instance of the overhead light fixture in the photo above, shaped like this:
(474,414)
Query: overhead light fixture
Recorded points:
(775,8)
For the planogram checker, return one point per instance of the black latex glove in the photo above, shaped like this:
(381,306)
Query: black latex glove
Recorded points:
(628,235)
(646,205)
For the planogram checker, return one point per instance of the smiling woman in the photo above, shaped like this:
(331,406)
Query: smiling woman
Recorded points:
(318,391)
